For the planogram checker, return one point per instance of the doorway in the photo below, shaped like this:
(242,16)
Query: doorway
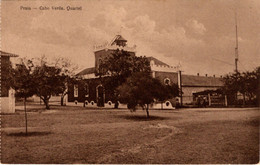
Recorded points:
(100,96)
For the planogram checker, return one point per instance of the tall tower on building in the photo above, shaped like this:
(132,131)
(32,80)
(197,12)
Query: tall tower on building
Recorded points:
(103,51)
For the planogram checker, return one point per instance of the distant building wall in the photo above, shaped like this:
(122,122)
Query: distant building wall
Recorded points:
(5,61)
(100,55)
(173,76)
(187,95)
(166,74)
(190,85)
(87,91)
(105,53)
(187,90)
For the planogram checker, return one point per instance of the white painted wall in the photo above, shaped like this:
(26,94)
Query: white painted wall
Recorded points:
(8,103)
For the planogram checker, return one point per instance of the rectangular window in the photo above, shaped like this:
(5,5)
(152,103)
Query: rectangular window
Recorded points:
(76,91)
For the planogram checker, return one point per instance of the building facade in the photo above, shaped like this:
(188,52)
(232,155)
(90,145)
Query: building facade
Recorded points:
(92,93)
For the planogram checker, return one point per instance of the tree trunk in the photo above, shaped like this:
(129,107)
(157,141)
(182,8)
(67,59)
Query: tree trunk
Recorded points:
(116,105)
(25,115)
(244,100)
(46,102)
(250,97)
(61,100)
(147,111)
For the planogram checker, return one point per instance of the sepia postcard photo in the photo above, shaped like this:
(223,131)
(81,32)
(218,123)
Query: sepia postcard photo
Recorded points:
(130,81)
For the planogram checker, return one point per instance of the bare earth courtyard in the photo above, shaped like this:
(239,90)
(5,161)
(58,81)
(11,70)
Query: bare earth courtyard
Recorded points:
(78,135)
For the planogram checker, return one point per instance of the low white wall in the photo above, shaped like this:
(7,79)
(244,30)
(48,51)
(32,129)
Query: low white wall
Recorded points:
(4,104)
(78,104)
(165,105)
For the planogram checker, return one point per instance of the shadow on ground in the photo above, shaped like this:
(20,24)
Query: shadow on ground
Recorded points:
(255,122)
(218,111)
(23,134)
(142,118)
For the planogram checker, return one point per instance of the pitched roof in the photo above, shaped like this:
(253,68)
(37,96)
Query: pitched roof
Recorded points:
(156,61)
(2,53)
(86,71)
(120,38)
(191,80)
(117,38)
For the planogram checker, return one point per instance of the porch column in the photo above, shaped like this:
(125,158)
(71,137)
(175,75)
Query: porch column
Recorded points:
(226,104)
(180,85)
(209,100)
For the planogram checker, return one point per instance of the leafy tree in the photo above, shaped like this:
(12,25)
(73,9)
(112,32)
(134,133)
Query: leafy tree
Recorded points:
(122,63)
(67,74)
(118,67)
(46,79)
(245,83)
(251,82)
(231,85)
(49,80)
(142,89)
(23,82)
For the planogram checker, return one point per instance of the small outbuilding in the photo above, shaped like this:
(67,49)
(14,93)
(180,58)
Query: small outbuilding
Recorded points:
(7,101)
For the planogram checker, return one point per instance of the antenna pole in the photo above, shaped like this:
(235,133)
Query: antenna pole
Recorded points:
(236,49)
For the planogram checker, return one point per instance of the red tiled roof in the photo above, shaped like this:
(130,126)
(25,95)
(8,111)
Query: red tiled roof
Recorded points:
(190,80)
(2,53)
(86,71)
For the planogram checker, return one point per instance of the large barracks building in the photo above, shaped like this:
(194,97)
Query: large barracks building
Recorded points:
(92,93)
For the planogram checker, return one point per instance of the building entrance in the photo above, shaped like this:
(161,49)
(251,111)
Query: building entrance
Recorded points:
(100,96)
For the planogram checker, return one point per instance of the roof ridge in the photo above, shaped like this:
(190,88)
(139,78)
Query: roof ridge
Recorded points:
(2,53)
(87,71)
(117,37)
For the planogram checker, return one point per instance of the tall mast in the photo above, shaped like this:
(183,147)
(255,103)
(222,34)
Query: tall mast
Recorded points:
(236,48)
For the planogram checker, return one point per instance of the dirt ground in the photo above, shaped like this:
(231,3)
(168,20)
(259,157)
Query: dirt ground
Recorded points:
(80,135)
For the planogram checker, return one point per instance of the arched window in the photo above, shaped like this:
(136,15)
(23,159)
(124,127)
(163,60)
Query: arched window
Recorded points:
(86,90)
(100,95)
(76,90)
(99,63)
(167,81)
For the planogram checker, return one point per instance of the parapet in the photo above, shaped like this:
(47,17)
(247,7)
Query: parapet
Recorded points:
(107,46)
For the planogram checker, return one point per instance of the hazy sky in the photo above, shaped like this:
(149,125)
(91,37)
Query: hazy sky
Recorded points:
(200,34)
